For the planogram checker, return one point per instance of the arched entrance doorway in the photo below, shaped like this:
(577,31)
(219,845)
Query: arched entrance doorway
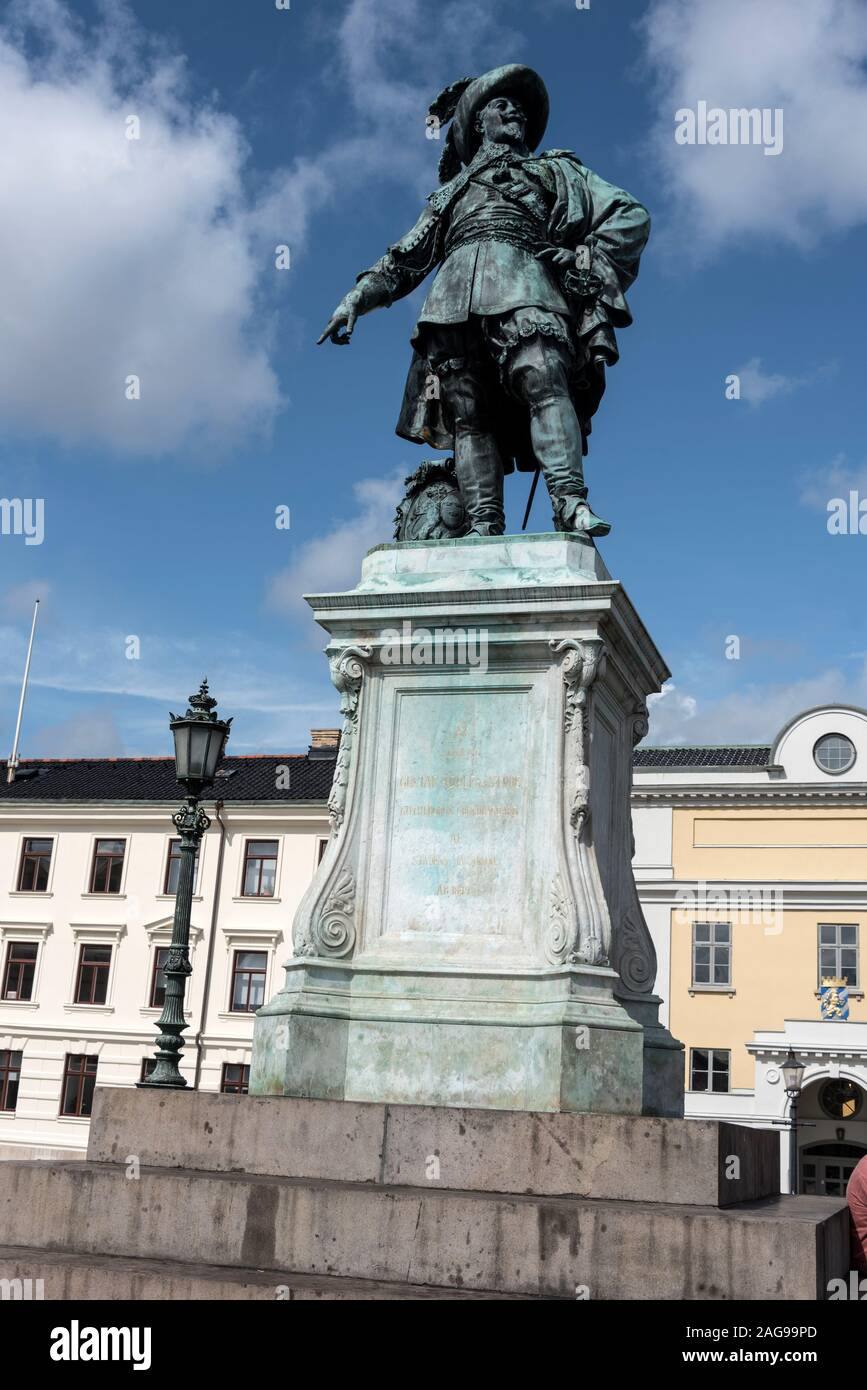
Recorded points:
(826,1168)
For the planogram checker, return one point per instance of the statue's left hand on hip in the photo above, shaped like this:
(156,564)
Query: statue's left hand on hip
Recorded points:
(558,257)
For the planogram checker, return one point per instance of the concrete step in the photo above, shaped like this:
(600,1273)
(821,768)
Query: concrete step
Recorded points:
(530,1245)
(616,1157)
(74,1278)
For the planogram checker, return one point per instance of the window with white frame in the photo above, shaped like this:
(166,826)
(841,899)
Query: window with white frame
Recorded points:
(19,971)
(92,976)
(709,1068)
(157,993)
(79,1082)
(96,953)
(35,865)
(22,946)
(249,972)
(711,953)
(834,753)
(235,1079)
(838,952)
(10,1075)
(260,869)
(107,869)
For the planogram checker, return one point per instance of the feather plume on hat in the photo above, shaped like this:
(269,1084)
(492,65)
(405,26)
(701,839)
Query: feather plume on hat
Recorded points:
(443,108)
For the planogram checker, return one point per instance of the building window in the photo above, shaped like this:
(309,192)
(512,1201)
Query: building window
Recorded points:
(79,1079)
(35,863)
(20,970)
(10,1073)
(838,952)
(248,981)
(840,1099)
(157,995)
(91,985)
(711,953)
(107,866)
(260,868)
(834,753)
(709,1069)
(173,868)
(147,1066)
(236,1079)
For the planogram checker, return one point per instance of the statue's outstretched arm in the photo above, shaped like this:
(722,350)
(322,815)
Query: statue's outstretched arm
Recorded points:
(397,273)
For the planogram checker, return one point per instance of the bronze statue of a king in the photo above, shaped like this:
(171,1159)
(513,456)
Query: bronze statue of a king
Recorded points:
(535,253)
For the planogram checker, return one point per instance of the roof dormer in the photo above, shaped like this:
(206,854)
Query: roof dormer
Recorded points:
(826,745)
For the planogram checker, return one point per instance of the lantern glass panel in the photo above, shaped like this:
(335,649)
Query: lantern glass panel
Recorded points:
(215,751)
(182,751)
(199,742)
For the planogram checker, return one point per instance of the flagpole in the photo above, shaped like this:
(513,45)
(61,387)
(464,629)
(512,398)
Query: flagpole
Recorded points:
(12,764)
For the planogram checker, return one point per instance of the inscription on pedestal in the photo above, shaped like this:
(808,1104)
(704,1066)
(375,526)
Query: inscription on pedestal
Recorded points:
(458,800)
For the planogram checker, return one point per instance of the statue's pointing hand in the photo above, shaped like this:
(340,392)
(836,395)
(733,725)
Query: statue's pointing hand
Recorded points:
(343,318)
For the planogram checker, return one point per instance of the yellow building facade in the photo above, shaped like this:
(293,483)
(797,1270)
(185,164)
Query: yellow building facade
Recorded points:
(751,863)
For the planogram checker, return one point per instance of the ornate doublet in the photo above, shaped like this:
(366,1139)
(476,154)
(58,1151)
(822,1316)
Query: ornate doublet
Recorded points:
(496,226)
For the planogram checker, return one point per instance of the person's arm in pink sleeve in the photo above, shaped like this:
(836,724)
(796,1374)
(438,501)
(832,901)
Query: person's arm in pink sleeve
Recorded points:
(856,1196)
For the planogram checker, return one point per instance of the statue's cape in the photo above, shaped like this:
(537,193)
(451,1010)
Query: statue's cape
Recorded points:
(586,211)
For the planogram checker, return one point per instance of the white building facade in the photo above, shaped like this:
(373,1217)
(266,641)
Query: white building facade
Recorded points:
(87,874)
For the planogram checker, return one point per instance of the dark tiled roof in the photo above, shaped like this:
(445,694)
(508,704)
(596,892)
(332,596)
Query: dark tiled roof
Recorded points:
(748,755)
(153,779)
(256,779)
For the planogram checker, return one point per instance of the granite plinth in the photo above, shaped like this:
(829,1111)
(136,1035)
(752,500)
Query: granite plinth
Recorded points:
(236,1197)
(630,1158)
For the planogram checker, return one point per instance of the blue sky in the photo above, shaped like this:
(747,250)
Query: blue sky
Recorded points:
(260,127)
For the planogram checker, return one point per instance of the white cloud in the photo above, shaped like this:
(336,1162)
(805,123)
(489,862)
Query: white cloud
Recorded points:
(332,562)
(837,479)
(670,710)
(807,59)
(753,714)
(122,257)
(88,734)
(758,386)
(88,673)
(379,43)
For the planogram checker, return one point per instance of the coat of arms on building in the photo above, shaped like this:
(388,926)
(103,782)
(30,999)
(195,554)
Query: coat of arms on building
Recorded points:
(834,999)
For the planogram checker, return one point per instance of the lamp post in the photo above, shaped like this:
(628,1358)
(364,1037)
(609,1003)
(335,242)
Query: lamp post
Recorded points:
(793,1076)
(200,738)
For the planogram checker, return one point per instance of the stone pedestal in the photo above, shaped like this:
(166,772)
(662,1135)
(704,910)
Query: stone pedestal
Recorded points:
(473,936)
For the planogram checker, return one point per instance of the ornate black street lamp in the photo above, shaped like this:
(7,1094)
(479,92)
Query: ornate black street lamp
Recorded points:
(793,1076)
(200,738)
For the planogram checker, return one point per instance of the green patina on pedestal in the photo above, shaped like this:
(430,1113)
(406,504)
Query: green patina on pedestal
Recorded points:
(473,935)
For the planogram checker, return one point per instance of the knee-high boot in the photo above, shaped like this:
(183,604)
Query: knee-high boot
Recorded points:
(555,434)
(479,472)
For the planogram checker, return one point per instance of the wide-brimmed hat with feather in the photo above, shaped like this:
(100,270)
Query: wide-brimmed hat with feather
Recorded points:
(463,100)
